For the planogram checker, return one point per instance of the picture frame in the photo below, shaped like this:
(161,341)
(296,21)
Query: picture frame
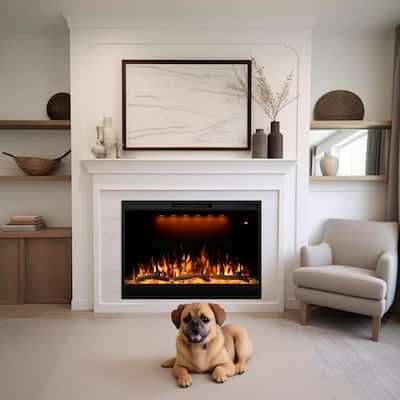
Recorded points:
(186,104)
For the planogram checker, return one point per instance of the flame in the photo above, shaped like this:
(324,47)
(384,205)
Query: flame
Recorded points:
(188,267)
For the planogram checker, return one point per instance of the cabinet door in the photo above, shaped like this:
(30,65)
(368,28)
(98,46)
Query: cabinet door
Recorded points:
(48,271)
(9,271)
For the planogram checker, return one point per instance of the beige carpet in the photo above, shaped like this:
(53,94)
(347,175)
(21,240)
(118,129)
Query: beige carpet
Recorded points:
(49,353)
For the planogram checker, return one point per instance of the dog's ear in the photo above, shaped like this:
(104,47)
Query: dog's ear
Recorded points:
(176,315)
(219,312)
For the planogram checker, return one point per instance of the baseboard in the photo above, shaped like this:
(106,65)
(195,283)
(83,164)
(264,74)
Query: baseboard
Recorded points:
(166,306)
(292,304)
(85,304)
(81,304)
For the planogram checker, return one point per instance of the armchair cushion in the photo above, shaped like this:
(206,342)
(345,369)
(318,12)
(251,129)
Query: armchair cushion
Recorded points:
(340,279)
(315,256)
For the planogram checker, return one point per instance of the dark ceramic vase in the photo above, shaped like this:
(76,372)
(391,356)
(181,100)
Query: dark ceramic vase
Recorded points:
(275,141)
(259,144)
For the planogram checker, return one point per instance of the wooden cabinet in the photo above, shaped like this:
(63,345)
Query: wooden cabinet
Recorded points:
(9,271)
(35,267)
(48,271)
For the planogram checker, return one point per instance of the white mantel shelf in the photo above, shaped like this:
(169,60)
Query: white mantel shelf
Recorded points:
(238,166)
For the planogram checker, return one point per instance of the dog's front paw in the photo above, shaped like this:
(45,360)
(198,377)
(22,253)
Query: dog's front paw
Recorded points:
(240,368)
(168,363)
(184,381)
(219,375)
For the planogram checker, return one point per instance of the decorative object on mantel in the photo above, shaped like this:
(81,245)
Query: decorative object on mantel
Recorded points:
(37,166)
(24,223)
(109,137)
(271,103)
(186,105)
(275,141)
(59,106)
(339,105)
(259,144)
(118,148)
(329,164)
(99,150)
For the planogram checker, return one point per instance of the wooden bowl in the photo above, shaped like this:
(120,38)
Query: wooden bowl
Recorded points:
(37,166)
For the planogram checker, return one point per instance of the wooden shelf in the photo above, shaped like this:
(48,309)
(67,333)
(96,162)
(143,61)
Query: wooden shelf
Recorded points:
(35,124)
(29,178)
(353,124)
(45,233)
(368,178)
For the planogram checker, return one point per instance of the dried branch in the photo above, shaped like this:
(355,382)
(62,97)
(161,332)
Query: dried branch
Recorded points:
(271,103)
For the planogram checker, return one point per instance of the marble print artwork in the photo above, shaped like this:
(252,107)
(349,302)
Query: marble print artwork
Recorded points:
(185,105)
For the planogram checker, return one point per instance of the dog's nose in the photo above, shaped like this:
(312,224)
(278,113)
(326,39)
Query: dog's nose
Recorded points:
(195,327)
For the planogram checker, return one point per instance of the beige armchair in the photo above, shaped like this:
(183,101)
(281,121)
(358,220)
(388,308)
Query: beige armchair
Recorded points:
(354,269)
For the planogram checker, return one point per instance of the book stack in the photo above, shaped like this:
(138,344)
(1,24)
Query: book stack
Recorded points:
(25,223)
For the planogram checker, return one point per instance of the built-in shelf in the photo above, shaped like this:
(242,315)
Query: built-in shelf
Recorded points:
(369,178)
(29,178)
(35,124)
(353,124)
(65,232)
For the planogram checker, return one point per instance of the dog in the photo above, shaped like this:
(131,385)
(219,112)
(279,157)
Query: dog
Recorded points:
(202,345)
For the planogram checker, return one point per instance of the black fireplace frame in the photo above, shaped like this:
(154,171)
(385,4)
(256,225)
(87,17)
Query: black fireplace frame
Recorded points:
(192,291)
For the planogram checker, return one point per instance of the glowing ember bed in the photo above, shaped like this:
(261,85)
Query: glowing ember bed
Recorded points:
(184,249)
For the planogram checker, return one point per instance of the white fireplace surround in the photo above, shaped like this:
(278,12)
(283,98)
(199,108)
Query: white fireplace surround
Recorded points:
(96,51)
(271,181)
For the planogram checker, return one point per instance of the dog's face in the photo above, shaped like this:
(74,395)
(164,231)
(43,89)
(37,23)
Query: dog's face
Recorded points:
(197,323)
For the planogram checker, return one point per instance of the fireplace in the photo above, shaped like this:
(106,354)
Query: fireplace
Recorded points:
(191,249)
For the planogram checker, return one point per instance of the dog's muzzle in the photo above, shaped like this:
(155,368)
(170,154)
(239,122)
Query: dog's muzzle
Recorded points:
(195,332)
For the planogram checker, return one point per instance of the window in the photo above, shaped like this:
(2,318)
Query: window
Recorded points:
(352,154)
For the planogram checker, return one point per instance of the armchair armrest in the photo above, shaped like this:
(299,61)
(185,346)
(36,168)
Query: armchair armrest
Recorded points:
(386,269)
(316,256)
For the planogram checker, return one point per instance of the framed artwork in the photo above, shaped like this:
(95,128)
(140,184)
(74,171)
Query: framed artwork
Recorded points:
(186,105)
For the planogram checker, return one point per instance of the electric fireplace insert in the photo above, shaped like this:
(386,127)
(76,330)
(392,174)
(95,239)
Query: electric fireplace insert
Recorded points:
(191,249)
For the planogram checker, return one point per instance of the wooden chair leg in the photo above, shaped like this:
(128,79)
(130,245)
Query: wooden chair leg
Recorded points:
(304,313)
(376,328)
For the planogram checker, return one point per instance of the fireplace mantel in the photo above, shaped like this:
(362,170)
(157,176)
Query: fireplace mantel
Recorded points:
(188,166)
(273,182)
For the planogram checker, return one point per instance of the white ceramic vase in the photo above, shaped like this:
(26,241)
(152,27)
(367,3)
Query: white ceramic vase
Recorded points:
(329,164)
(109,137)
(99,149)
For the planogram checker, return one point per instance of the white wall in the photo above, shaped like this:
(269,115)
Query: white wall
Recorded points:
(33,67)
(348,200)
(363,63)
(96,86)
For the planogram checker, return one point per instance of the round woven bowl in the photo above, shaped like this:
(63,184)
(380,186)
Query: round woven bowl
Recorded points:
(37,166)
(339,105)
(59,106)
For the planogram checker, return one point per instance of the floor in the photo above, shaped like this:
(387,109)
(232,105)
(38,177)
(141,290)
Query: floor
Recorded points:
(48,352)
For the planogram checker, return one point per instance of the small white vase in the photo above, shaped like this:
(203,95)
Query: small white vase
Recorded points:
(329,164)
(109,137)
(99,149)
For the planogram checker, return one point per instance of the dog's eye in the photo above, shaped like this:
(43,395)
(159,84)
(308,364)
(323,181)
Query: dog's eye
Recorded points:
(187,318)
(205,319)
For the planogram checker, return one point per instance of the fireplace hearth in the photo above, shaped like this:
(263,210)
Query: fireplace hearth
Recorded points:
(191,249)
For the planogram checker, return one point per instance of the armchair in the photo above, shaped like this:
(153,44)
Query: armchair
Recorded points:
(354,269)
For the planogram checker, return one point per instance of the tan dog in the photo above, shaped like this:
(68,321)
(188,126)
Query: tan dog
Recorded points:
(203,346)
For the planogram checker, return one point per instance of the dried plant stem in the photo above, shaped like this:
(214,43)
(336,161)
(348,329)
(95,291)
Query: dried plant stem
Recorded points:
(271,103)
